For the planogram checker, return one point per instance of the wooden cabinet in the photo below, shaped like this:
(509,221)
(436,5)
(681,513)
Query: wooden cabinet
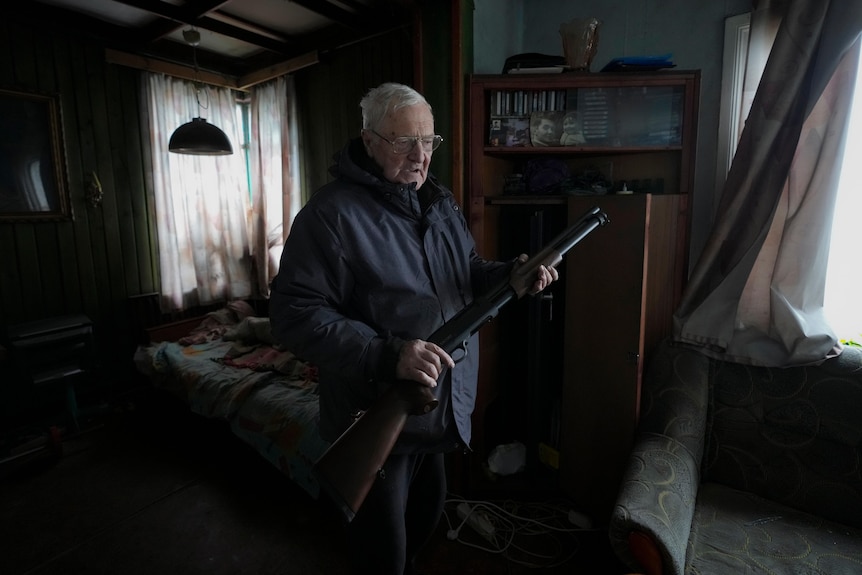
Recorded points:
(572,366)
(622,289)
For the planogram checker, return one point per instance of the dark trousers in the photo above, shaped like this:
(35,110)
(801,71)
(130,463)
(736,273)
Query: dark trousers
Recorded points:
(399,515)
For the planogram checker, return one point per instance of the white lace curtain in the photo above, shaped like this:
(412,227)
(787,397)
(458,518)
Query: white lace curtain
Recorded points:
(213,245)
(274,174)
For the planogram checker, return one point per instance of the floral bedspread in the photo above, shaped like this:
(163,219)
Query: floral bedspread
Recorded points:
(268,396)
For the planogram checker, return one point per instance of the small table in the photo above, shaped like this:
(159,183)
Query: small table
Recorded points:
(51,351)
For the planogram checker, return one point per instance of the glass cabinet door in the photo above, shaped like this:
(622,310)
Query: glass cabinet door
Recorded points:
(607,117)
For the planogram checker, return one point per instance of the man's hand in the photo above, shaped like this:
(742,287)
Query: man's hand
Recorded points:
(422,361)
(544,275)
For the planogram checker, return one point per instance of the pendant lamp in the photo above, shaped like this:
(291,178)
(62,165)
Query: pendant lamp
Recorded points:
(198,137)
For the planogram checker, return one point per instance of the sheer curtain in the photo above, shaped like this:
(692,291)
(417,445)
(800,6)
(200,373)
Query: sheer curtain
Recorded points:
(756,293)
(274,174)
(201,202)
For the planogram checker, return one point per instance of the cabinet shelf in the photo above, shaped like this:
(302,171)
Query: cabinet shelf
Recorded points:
(574,150)
(526,200)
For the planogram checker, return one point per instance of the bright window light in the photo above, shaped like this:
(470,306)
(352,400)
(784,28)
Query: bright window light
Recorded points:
(844,277)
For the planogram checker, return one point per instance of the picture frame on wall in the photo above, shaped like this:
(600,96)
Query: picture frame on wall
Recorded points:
(33,170)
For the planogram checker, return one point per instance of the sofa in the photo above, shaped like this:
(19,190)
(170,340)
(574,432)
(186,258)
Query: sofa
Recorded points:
(739,469)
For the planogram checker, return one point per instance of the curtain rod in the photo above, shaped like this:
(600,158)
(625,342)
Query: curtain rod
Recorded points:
(242,83)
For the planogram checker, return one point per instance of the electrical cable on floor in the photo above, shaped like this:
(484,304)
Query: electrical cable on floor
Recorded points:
(533,534)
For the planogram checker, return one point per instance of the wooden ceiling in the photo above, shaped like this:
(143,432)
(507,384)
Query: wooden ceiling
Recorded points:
(238,38)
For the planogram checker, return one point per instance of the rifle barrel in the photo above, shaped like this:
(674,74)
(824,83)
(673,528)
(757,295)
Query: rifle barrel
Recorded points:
(575,233)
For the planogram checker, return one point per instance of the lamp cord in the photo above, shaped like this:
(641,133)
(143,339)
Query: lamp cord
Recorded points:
(193,37)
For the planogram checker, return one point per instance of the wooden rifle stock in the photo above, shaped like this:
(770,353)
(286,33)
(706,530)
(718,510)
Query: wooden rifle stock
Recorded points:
(348,468)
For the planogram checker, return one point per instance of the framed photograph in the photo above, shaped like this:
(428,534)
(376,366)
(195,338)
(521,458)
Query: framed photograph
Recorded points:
(33,176)
(510,131)
(546,128)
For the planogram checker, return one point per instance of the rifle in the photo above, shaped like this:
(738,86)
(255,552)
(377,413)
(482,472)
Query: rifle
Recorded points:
(347,469)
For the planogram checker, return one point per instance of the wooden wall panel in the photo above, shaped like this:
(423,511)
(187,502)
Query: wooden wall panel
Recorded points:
(328,95)
(92,263)
(70,234)
(439,65)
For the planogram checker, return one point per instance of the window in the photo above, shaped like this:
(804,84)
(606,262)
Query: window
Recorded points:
(243,120)
(844,281)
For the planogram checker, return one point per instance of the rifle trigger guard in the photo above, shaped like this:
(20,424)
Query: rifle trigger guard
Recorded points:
(463,348)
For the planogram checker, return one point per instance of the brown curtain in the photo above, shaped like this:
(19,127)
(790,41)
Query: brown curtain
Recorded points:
(756,293)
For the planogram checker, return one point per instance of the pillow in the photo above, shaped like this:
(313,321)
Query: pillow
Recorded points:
(251,330)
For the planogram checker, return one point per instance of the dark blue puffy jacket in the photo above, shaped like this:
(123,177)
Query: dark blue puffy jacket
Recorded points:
(366,266)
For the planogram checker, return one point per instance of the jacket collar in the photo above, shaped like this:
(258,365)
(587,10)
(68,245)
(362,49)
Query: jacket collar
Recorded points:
(353,164)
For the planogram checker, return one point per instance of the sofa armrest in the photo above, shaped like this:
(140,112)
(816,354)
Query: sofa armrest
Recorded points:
(655,503)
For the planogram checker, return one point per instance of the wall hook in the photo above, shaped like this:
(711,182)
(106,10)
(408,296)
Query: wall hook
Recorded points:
(93,189)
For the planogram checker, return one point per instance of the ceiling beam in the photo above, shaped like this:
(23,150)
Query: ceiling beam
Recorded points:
(170,68)
(332,12)
(222,80)
(172,18)
(276,70)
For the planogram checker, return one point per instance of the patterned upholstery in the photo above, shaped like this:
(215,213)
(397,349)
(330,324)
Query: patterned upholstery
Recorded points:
(741,469)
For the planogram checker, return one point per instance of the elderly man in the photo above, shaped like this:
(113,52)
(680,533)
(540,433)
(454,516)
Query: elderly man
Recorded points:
(378,259)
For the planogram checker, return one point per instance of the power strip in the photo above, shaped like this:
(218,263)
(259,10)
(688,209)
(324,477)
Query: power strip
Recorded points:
(478,520)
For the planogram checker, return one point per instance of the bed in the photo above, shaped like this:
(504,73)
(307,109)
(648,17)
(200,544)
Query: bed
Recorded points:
(225,365)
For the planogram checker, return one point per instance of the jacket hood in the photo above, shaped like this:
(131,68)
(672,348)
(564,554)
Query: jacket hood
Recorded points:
(353,164)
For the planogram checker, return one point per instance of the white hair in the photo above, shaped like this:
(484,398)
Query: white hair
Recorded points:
(387,98)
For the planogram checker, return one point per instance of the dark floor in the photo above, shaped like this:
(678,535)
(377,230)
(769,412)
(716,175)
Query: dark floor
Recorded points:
(149,488)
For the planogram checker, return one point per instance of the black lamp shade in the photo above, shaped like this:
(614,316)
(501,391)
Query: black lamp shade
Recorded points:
(200,138)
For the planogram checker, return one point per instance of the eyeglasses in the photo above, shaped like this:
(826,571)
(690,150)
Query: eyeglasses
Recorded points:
(405,144)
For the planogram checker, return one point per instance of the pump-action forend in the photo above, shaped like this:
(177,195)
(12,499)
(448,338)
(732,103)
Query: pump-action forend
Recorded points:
(347,470)
(454,334)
